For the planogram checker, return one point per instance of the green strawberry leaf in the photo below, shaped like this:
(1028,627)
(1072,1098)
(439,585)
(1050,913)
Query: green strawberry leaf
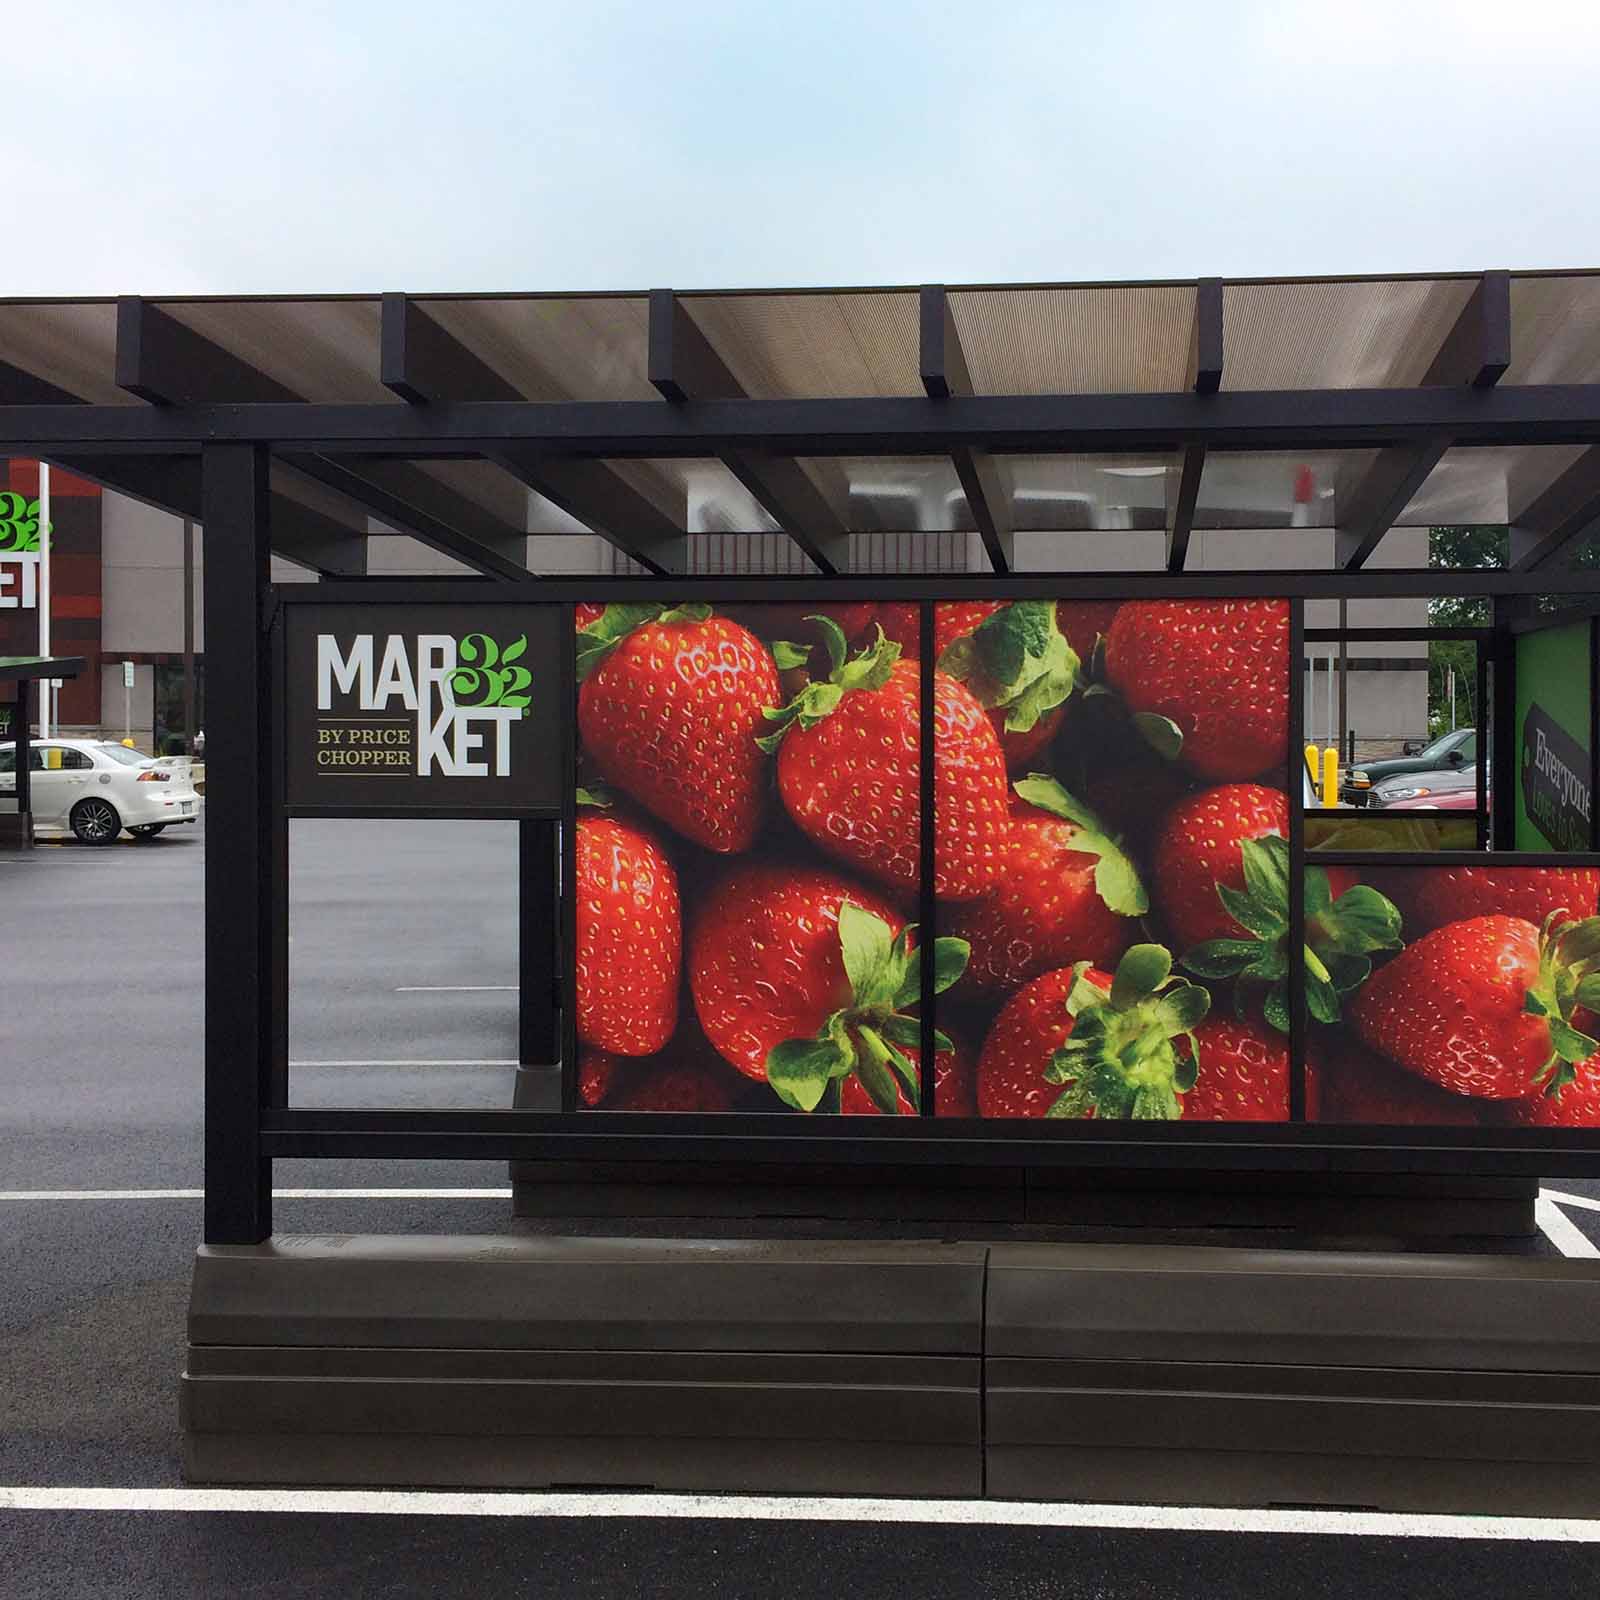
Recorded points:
(1221,958)
(1017,659)
(1266,870)
(1162,734)
(799,1070)
(868,950)
(872,1068)
(1182,1007)
(1569,1044)
(1347,973)
(902,1030)
(607,631)
(1322,999)
(869,669)
(787,655)
(594,797)
(1266,921)
(690,611)
(907,1074)
(1360,921)
(950,957)
(1319,892)
(1587,994)
(1142,970)
(1116,878)
(1275,1007)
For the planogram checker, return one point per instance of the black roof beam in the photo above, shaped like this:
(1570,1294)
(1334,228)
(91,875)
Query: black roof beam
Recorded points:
(1474,354)
(684,367)
(1183,494)
(1561,519)
(944,373)
(165,362)
(1205,338)
(423,362)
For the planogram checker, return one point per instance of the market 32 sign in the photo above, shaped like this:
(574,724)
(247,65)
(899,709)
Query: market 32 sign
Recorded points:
(436,708)
(19,552)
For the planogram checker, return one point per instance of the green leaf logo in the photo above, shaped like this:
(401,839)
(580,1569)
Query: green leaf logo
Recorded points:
(487,673)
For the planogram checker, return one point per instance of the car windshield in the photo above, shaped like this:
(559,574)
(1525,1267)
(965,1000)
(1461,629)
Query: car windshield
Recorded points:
(1443,745)
(120,752)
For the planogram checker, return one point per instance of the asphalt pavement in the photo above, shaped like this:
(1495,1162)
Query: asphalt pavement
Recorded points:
(403,953)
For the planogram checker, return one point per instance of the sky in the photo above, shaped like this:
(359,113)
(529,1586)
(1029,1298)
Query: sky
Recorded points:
(236,147)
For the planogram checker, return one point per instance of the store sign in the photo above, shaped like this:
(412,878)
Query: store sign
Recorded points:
(1556,788)
(19,581)
(8,719)
(434,708)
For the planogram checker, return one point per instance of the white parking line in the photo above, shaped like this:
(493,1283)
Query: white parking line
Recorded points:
(1561,1230)
(277,1194)
(700,1508)
(1562,1198)
(485,1063)
(457,988)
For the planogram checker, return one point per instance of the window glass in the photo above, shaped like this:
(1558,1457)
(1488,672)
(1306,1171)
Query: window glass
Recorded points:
(75,760)
(8,760)
(122,754)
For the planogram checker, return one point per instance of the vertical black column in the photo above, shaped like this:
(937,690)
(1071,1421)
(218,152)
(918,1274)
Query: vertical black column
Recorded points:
(1297,858)
(24,753)
(538,1081)
(240,949)
(1503,772)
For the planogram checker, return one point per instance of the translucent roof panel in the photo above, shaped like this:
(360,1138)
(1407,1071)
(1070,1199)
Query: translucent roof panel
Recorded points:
(781,346)
(1555,330)
(1488,484)
(580,347)
(713,501)
(1106,340)
(1337,335)
(900,494)
(323,350)
(1080,492)
(70,344)
(1282,489)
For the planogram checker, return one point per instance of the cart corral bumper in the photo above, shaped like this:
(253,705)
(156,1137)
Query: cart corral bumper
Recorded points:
(1176,1375)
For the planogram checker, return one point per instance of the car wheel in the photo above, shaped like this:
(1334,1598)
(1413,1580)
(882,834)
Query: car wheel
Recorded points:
(96,821)
(147,830)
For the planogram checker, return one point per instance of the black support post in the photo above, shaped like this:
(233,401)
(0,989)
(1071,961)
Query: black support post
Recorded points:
(24,753)
(241,944)
(1504,724)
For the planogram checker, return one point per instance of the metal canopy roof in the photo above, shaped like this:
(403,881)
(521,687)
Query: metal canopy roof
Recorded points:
(1347,405)
(28,668)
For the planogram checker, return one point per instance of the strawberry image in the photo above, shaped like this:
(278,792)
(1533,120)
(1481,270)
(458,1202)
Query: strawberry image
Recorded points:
(849,770)
(955,1084)
(670,704)
(771,621)
(1222,874)
(598,1075)
(1243,1074)
(1575,1105)
(1217,671)
(1082,1043)
(1356,1086)
(1086,623)
(801,977)
(1489,1006)
(1429,897)
(1016,662)
(630,934)
(1067,892)
(696,1080)
(587,612)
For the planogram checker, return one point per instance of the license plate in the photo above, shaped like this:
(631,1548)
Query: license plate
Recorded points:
(186,807)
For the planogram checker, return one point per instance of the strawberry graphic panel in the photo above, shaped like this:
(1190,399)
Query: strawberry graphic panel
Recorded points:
(1111,835)
(748,861)
(1457,995)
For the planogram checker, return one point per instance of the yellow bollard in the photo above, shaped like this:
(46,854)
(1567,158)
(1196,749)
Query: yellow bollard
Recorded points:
(1313,765)
(1330,778)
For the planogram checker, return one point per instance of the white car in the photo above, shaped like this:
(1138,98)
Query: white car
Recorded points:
(95,789)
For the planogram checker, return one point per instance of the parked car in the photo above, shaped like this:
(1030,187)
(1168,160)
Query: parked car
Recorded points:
(95,789)
(1448,800)
(1459,785)
(1448,753)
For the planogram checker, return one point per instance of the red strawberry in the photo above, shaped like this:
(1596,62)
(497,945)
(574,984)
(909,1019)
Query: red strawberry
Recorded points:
(1078,1043)
(849,771)
(599,1072)
(1575,1105)
(801,977)
(1356,1086)
(1243,1074)
(1084,622)
(1491,1006)
(901,621)
(681,1086)
(1216,669)
(1228,843)
(630,936)
(1017,663)
(955,1087)
(587,612)
(1066,893)
(1198,849)
(1430,897)
(793,622)
(670,706)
